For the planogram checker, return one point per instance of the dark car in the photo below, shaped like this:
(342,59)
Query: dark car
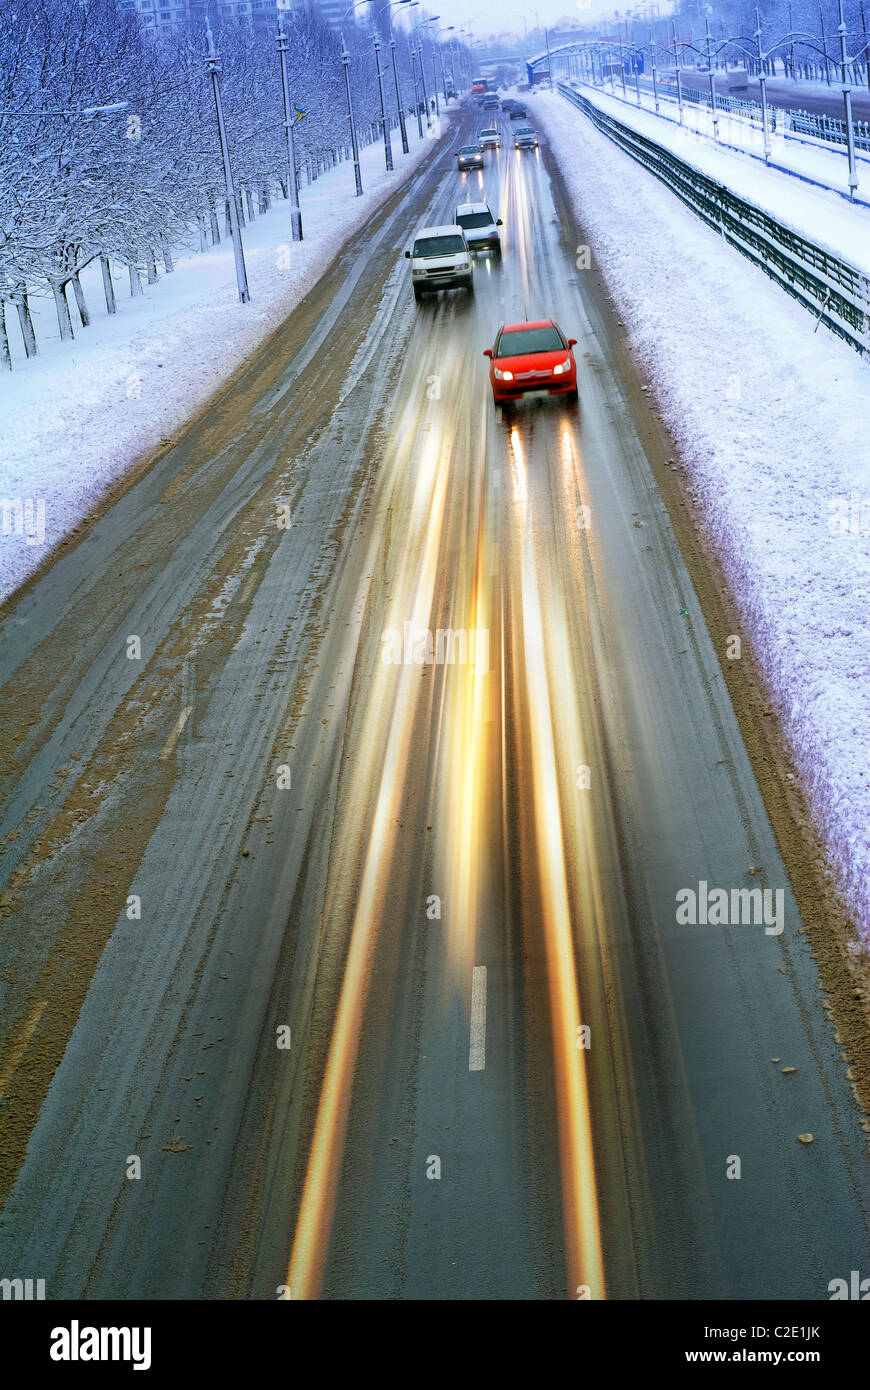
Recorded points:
(518,113)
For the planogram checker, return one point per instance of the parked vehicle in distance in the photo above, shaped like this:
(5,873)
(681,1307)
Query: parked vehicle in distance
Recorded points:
(489,138)
(440,260)
(525,138)
(532,356)
(469,157)
(479,226)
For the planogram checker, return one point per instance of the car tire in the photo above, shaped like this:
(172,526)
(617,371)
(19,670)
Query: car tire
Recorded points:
(418,293)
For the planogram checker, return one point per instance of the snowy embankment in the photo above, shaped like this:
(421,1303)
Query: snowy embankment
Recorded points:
(771,421)
(821,215)
(804,156)
(81,415)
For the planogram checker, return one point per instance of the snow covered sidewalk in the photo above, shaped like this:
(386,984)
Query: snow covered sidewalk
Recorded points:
(817,213)
(79,416)
(771,421)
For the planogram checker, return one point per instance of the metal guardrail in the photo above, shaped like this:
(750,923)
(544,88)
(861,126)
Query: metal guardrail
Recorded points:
(837,293)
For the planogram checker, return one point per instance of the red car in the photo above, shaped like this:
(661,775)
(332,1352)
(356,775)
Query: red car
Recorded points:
(532,356)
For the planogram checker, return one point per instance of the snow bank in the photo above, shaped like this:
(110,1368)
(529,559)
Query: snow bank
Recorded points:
(772,422)
(823,216)
(79,416)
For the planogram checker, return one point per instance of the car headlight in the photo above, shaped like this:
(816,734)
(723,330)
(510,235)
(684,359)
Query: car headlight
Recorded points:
(561,367)
(503,376)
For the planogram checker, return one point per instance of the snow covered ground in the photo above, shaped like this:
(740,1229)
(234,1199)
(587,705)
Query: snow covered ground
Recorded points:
(822,215)
(76,418)
(805,155)
(771,420)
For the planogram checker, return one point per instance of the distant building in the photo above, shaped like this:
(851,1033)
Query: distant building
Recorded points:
(162,16)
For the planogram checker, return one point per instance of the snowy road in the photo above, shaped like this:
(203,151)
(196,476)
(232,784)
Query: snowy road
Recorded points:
(436,878)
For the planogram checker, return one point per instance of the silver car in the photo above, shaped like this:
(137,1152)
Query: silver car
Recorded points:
(479,226)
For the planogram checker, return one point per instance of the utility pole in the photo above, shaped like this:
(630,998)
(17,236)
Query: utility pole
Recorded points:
(213,68)
(402,127)
(293,187)
(762,82)
(345,58)
(791,31)
(847,101)
(679,74)
(824,47)
(412,52)
(713,80)
(388,150)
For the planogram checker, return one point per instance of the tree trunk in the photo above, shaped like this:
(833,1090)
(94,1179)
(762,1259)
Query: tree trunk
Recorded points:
(262,197)
(22,304)
(250,202)
(5,354)
(168,264)
(215,226)
(240,207)
(228,226)
(152,268)
(135,282)
(108,287)
(64,322)
(284,185)
(80,299)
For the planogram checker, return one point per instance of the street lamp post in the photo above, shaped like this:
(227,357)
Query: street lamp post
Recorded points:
(293,188)
(847,101)
(394,4)
(679,74)
(413,53)
(213,68)
(388,149)
(345,59)
(762,82)
(713,80)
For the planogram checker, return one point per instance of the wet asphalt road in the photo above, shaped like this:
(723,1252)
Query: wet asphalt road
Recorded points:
(406,1011)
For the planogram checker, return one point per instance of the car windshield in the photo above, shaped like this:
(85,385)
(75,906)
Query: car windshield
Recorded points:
(469,149)
(524,340)
(525,130)
(438,246)
(474,219)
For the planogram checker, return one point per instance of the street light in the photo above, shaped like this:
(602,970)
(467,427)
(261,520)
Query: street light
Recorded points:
(433,19)
(293,190)
(447,30)
(422,24)
(345,59)
(393,4)
(213,68)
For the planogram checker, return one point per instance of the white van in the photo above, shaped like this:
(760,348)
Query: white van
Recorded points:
(440,260)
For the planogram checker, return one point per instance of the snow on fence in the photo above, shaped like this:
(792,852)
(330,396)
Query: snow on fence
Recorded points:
(821,126)
(835,292)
